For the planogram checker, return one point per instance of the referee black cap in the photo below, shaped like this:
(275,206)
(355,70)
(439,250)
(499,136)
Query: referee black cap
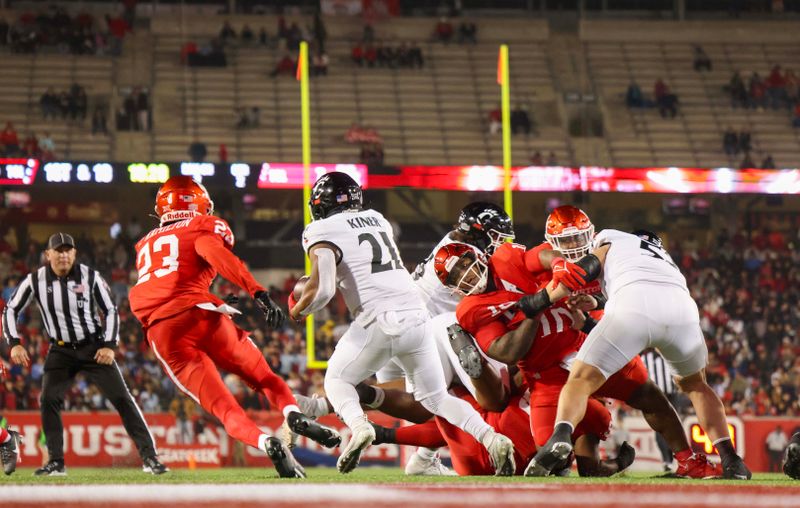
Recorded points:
(59,240)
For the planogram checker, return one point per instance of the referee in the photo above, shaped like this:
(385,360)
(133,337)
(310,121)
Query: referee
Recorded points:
(660,374)
(69,295)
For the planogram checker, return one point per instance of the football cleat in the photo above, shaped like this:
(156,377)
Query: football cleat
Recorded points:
(153,466)
(283,460)
(548,458)
(9,452)
(698,467)
(501,451)
(305,426)
(464,347)
(363,436)
(418,465)
(791,465)
(736,471)
(625,456)
(52,468)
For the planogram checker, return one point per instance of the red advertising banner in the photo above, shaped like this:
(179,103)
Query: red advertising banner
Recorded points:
(757,429)
(99,440)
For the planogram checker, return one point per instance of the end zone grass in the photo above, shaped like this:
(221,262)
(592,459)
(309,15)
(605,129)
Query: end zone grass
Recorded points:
(87,476)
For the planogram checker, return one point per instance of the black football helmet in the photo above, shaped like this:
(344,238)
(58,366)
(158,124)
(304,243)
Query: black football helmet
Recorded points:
(648,236)
(486,225)
(333,193)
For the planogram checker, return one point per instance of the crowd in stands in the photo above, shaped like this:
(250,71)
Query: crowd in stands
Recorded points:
(781,89)
(134,111)
(748,292)
(663,98)
(444,31)
(69,104)
(55,29)
(747,288)
(42,147)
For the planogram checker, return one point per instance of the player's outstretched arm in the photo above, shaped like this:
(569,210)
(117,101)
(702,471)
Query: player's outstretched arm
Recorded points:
(212,249)
(514,345)
(321,285)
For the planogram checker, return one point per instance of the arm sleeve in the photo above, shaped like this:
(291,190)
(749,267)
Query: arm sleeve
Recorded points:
(102,294)
(19,300)
(326,268)
(211,248)
(532,262)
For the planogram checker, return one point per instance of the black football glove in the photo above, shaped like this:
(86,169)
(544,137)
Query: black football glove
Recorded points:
(274,314)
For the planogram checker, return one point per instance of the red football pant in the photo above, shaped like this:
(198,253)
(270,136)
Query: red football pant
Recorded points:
(192,344)
(625,381)
(424,434)
(470,458)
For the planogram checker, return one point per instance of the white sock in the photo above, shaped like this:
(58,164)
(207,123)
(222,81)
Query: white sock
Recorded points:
(426,453)
(288,409)
(262,442)
(718,441)
(344,399)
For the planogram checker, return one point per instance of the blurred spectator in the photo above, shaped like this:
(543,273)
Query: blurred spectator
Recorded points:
(99,120)
(254,116)
(444,30)
(666,100)
(9,141)
(745,140)
(536,159)
(738,91)
(520,121)
(227,33)
(198,151)
(768,162)
(263,38)
(495,121)
(30,146)
(357,54)
(730,142)
(747,162)
(362,134)
(247,34)
(796,117)
(701,59)
(551,159)
(187,50)
(467,32)
(415,58)
(371,154)
(47,147)
(223,153)
(758,92)
(775,444)
(776,88)
(117,28)
(4,27)
(633,96)
(142,109)
(286,66)
(49,103)
(368,34)
(371,56)
(319,64)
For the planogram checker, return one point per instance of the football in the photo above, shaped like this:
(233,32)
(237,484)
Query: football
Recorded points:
(297,291)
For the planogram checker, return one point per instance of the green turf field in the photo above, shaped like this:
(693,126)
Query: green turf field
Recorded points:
(78,476)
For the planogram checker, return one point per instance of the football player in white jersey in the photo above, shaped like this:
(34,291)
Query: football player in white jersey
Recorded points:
(485,226)
(649,305)
(354,249)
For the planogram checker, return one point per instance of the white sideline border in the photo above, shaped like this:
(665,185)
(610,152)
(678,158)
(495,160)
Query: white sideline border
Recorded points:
(478,495)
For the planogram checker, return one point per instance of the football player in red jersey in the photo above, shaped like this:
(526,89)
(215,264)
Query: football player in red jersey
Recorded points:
(506,334)
(190,329)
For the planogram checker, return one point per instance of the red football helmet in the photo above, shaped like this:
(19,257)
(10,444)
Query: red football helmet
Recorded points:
(462,268)
(569,231)
(182,198)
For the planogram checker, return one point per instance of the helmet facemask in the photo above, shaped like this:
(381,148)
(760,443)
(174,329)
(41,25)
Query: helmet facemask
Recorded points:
(572,242)
(467,275)
(496,239)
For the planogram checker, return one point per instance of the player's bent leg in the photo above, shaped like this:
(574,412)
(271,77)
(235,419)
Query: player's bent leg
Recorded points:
(469,457)
(587,457)
(584,380)
(711,414)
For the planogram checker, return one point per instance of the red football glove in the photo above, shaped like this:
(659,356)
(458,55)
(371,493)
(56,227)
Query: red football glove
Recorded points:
(569,274)
(292,302)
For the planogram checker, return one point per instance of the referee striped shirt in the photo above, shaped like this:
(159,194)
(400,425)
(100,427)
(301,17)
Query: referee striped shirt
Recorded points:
(659,371)
(69,306)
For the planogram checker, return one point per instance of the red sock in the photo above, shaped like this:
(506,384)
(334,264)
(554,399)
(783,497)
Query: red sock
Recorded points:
(4,435)
(424,434)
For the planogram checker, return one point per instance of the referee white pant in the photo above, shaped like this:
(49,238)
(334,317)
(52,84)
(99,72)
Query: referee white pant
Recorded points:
(406,336)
